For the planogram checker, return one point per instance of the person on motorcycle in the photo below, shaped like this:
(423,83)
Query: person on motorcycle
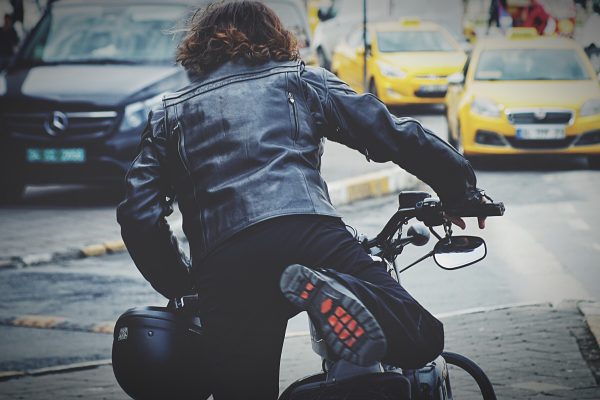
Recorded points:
(240,148)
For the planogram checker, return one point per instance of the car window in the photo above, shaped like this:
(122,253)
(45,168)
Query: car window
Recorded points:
(355,38)
(292,18)
(401,41)
(530,64)
(105,33)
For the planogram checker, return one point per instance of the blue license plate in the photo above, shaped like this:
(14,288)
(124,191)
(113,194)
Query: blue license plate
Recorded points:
(74,155)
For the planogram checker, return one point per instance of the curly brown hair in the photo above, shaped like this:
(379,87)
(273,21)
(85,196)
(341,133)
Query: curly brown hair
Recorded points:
(235,30)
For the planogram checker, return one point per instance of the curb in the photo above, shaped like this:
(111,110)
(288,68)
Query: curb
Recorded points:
(341,192)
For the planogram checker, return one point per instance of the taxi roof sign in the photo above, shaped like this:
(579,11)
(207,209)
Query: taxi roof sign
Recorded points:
(410,21)
(522,33)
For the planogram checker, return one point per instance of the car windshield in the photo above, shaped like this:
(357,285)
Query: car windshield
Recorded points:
(92,34)
(401,41)
(530,64)
(291,18)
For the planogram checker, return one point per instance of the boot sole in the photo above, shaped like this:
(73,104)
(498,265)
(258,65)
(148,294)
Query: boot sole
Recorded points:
(349,329)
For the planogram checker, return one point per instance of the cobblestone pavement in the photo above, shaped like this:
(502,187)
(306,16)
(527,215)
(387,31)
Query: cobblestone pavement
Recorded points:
(529,352)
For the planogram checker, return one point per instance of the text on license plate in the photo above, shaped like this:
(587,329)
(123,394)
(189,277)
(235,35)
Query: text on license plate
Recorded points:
(433,88)
(540,132)
(56,156)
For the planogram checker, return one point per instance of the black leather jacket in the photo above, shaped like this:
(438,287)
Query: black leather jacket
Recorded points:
(243,144)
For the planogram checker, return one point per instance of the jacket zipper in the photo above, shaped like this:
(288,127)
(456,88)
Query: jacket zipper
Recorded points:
(292,101)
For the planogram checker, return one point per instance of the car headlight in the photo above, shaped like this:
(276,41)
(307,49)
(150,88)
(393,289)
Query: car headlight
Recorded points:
(590,107)
(392,72)
(485,107)
(136,114)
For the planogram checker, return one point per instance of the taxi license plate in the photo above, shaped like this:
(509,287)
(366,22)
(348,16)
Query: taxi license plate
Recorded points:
(56,156)
(540,132)
(433,88)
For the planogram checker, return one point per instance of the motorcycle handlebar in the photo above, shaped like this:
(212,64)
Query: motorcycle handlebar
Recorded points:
(479,210)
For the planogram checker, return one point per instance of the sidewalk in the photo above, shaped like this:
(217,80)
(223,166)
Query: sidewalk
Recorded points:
(529,352)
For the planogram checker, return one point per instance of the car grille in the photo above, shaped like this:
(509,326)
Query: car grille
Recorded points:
(535,117)
(540,144)
(77,124)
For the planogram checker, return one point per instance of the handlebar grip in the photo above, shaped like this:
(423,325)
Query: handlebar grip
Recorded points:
(479,210)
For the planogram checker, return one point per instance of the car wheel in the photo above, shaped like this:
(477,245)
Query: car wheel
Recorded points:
(594,162)
(457,143)
(11,192)
(373,88)
(322,59)
(451,140)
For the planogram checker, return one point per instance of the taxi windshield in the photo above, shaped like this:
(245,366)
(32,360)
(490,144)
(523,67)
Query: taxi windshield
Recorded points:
(91,34)
(408,41)
(530,64)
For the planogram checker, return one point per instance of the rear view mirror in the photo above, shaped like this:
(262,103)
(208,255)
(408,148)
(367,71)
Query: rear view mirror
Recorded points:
(459,251)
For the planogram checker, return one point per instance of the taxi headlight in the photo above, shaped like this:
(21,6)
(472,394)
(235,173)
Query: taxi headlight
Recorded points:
(136,114)
(390,71)
(590,107)
(485,107)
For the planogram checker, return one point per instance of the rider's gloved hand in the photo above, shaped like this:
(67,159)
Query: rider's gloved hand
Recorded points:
(476,197)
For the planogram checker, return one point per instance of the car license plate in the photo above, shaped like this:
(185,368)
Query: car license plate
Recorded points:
(56,156)
(546,132)
(433,88)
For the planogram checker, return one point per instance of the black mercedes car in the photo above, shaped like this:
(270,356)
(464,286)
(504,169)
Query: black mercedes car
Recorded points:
(75,99)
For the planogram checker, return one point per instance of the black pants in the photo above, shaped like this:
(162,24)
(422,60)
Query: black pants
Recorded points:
(245,315)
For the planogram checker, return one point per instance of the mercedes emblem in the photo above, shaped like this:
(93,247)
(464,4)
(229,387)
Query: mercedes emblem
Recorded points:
(56,124)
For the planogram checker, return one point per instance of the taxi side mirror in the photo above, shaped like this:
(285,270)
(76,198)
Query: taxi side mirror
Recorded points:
(456,79)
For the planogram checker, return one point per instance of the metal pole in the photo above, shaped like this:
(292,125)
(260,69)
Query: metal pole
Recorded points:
(365,84)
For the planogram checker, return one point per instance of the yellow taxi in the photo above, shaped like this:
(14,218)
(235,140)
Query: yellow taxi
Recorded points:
(525,93)
(408,61)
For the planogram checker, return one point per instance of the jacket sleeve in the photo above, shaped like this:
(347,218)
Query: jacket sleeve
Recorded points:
(142,216)
(364,123)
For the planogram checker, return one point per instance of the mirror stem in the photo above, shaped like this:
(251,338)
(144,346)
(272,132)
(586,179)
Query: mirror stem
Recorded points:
(416,262)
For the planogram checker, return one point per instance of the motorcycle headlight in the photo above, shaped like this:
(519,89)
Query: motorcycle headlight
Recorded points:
(590,107)
(389,71)
(485,107)
(136,114)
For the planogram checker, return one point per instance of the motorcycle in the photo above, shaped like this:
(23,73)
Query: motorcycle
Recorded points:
(156,349)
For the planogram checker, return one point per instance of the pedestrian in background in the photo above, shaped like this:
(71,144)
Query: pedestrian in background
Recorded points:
(8,41)
(497,8)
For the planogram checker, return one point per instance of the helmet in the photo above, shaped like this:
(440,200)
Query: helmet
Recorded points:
(158,353)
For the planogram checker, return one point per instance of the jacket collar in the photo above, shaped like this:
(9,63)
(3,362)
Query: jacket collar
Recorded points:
(239,67)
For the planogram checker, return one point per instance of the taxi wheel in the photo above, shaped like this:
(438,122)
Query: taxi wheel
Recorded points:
(594,162)
(373,88)
(322,59)
(457,143)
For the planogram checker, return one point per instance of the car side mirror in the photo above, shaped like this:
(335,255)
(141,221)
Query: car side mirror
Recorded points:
(457,252)
(325,13)
(456,79)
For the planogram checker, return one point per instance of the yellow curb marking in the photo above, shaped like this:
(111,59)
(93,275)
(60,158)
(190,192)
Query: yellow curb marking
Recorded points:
(104,327)
(38,321)
(94,250)
(369,188)
(115,247)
